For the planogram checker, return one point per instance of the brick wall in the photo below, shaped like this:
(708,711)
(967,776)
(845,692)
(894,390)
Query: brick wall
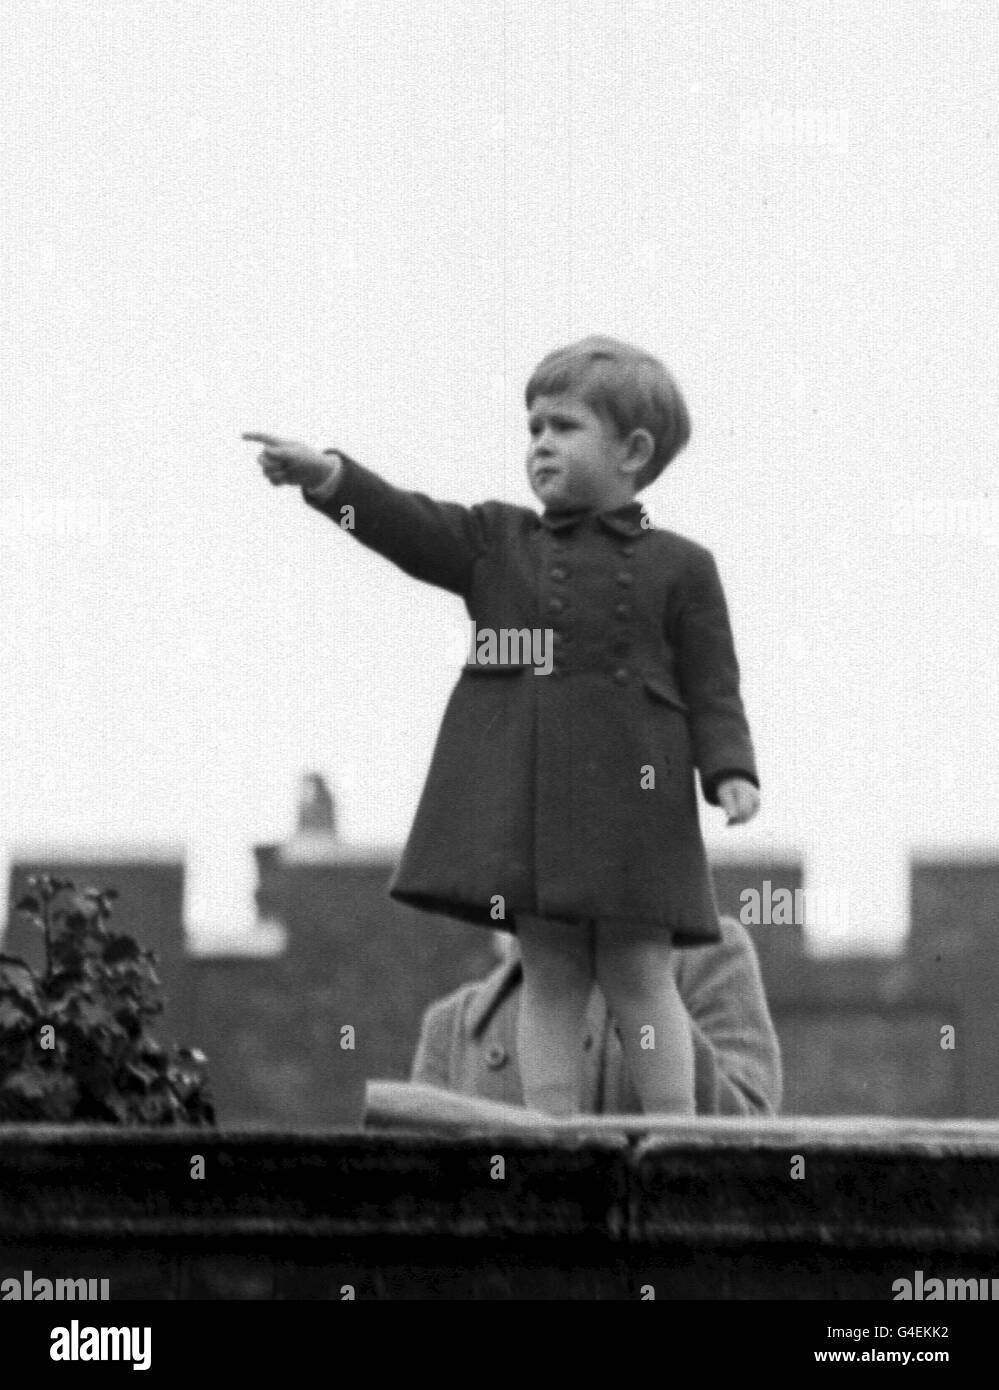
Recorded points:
(860,1035)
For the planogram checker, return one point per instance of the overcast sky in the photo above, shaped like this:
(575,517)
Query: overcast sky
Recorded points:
(361,224)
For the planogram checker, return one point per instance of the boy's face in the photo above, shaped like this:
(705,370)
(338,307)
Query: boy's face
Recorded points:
(575,457)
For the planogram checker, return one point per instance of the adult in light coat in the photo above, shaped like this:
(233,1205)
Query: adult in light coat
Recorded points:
(468,1040)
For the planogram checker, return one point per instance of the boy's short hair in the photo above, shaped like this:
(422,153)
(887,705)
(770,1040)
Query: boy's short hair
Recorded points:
(624,384)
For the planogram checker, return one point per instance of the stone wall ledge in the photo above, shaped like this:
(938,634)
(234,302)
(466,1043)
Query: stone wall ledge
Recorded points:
(699,1209)
(886,1183)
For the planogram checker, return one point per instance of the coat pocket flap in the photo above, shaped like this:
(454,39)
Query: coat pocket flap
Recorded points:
(660,687)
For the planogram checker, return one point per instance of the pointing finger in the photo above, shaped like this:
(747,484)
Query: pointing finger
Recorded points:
(272,439)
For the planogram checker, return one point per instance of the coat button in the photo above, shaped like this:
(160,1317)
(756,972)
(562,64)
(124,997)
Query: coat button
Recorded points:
(622,610)
(627,550)
(555,605)
(621,676)
(559,572)
(625,578)
(496,1057)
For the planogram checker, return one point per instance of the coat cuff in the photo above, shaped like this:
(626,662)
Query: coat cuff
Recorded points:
(327,490)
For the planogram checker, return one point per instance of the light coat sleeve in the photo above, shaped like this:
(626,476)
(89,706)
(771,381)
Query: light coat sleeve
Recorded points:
(737,1063)
(432,1059)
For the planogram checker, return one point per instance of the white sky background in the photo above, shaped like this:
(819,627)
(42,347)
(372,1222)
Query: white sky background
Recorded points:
(361,224)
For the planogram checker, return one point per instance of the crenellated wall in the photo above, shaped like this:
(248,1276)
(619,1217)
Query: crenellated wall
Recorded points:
(860,1034)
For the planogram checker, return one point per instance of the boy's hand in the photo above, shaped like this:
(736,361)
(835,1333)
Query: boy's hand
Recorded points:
(286,461)
(739,799)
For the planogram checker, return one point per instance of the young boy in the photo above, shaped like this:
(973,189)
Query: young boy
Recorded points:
(561,806)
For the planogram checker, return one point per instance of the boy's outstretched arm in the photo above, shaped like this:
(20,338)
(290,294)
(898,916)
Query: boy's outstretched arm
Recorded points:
(437,542)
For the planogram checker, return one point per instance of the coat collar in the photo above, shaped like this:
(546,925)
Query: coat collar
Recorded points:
(624,521)
(491,993)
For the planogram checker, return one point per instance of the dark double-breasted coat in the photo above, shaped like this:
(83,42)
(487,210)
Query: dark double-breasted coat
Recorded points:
(569,794)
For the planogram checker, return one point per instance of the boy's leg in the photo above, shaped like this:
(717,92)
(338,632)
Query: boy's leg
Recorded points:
(558,978)
(635,973)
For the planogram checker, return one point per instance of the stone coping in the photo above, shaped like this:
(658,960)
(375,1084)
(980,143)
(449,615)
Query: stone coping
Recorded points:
(903,1185)
(871,1132)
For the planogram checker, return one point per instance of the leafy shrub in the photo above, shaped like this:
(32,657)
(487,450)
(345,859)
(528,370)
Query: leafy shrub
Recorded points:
(74,1042)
